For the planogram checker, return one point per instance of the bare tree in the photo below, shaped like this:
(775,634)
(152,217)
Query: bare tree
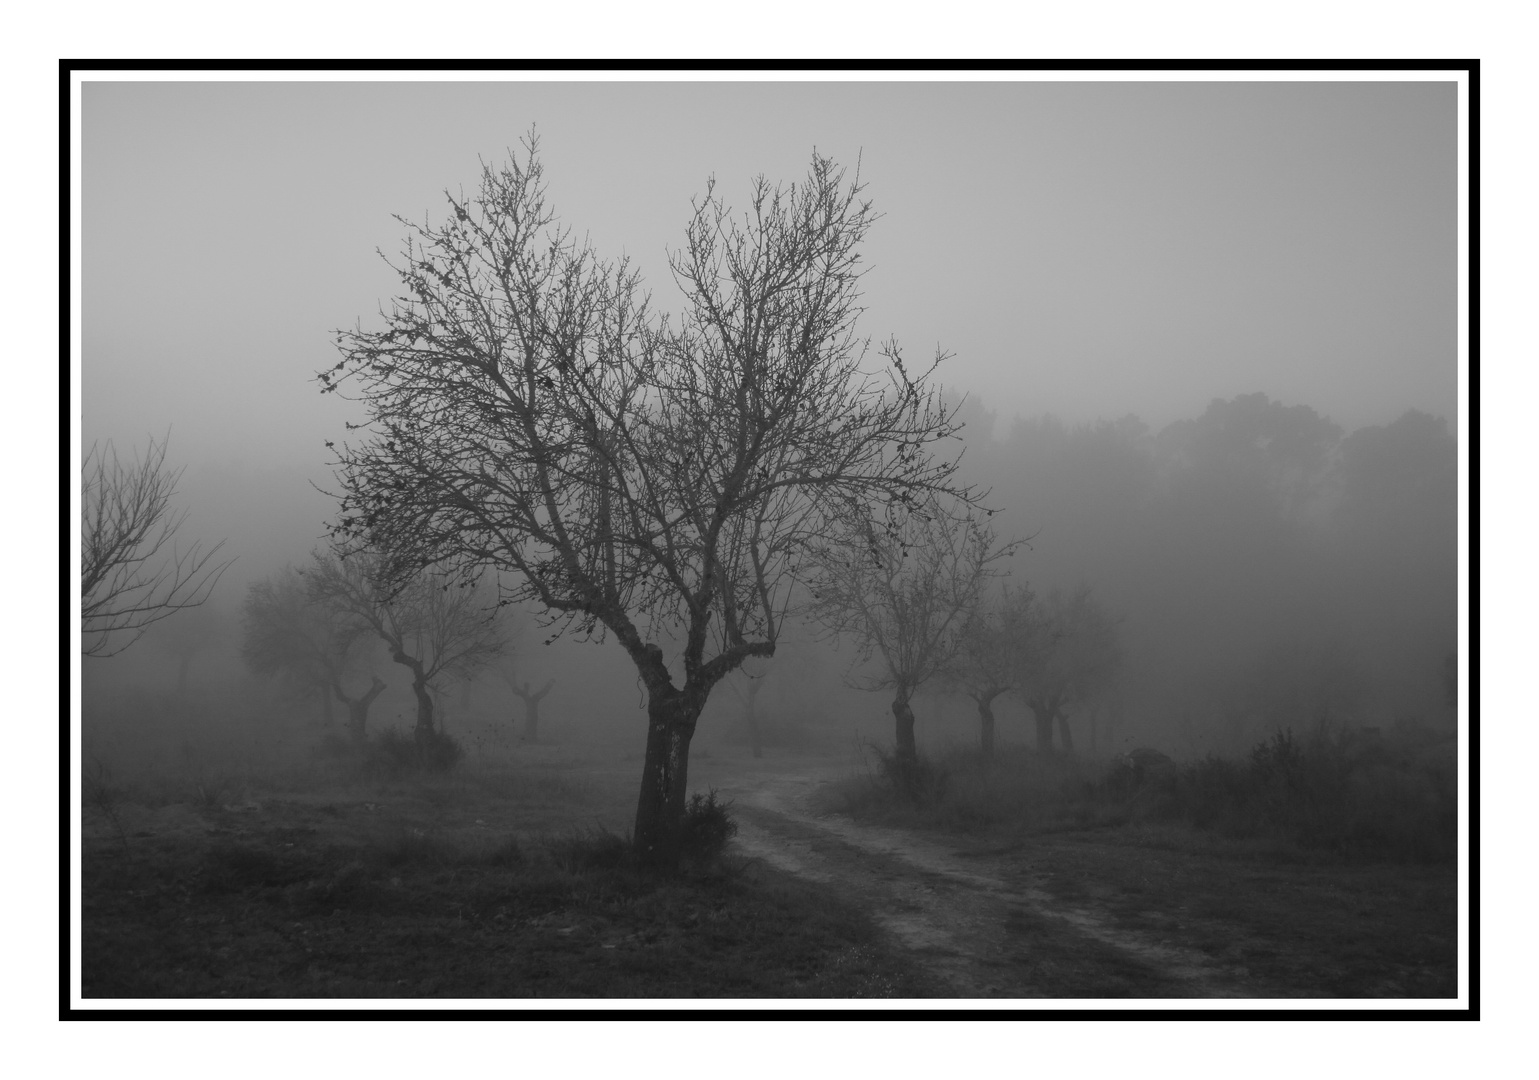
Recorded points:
(531,699)
(904,593)
(1072,655)
(989,648)
(292,634)
(747,692)
(523,688)
(132,573)
(197,633)
(529,412)
(432,624)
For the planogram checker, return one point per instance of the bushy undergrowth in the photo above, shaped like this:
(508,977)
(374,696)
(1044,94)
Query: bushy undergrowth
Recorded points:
(920,781)
(965,791)
(1362,797)
(1373,798)
(396,753)
(707,827)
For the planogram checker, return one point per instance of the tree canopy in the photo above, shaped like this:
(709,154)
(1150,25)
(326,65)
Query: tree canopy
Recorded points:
(529,411)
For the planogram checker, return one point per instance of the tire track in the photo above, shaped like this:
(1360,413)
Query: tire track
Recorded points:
(955,913)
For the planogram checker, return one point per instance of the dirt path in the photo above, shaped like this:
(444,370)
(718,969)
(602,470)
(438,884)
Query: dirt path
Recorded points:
(983,923)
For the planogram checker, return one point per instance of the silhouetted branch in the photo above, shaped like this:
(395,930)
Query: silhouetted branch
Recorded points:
(132,574)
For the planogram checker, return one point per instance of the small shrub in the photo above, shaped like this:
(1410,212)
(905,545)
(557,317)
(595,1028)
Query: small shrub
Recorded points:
(211,792)
(591,849)
(335,746)
(396,753)
(920,780)
(707,827)
(438,751)
(415,847)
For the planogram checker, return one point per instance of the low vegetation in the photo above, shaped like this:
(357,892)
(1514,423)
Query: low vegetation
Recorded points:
(491,879)
(1359,796)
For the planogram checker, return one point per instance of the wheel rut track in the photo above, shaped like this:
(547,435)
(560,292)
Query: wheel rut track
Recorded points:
(961,916)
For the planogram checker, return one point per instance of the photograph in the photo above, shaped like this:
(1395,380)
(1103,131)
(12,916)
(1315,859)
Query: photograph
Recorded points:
(683,540)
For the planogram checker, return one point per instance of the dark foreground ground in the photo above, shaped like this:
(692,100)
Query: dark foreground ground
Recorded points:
(501,881)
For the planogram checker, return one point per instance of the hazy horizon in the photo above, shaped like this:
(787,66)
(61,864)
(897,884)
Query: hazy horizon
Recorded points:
(1088,250)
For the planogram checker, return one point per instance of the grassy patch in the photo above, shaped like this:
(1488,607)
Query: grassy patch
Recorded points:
(1315,928)
(410,912)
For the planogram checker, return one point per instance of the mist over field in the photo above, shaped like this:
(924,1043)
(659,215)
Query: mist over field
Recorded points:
(1199,344)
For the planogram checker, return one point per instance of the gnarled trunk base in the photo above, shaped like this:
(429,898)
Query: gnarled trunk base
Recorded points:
(903,734)
(986,727)
(1044,722)
(906,756)
(665,780)
(358,711)
(754,737)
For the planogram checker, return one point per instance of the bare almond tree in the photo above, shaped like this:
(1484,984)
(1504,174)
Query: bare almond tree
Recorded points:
(531,698)
(315,645)
(1072,655)
(132,573)
(904,593)
(987,661)
(432,624)
(747,692)
(654,480)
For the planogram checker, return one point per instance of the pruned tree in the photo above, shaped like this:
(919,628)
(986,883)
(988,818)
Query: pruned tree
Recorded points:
(1072,654)
(132,573)
(903,593)
(522,688)
(531,699)
(987,659)
(291,633)
(432,624)
(200,631)
(747,691)
(653,480)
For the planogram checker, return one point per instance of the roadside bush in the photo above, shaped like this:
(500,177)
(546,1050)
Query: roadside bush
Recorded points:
(921,782)
(1016,788)
(1357,795)
(707,827)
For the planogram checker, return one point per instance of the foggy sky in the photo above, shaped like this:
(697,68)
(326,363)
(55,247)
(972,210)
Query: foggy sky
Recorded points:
(1084,249)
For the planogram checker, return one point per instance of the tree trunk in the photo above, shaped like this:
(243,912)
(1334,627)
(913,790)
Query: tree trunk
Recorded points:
(986,727)
(1095,712)
(753,733)
(181,674)
(1064,734)
(1043,715)
(425,726)
(531,700)
(419,687)
(903,713)
(326,713)
(751,713)
(671,717)
(358,711)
